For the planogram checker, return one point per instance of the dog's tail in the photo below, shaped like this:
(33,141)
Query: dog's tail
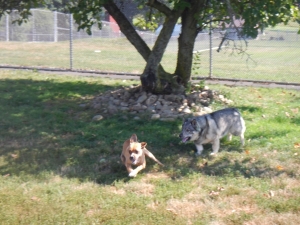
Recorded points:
(151,156)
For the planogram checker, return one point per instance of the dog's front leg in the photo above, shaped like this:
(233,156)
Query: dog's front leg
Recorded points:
(134,172)
(199,149)
(129,168)
(215,146)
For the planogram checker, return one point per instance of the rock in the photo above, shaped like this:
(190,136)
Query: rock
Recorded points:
(171,98)
(158,105)
(155,117)
(186,110)
(135,101)
(124,108)
(97,118)
(142,98)
(228,101)
(102,160)
(116,101)
(207,109)
(124,104)
(151,100)
(97,106)
(196,108)
(151,109)
(112,109)
(204,102)
(136,118)
(185,101)
(199,113)
(204,94)
(136,107)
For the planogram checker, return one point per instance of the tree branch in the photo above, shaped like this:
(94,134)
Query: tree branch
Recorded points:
(128,30)
(160,7)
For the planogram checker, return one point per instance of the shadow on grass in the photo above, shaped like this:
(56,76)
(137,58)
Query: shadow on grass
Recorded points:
(246,168)
(44,130)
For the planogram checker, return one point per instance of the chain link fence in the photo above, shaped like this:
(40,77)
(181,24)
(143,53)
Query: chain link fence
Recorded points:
(51,40)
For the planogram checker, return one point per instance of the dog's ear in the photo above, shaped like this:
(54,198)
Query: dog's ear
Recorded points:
(143,144)
(133,138)
(196,125)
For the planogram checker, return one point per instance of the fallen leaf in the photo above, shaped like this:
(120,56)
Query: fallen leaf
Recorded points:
(204,165)
(295,110)
(14,156)
(279,168)
(271,194)
(297,145)
(214,193)
(34,198)
(287,114)
(221,189)
(253,160)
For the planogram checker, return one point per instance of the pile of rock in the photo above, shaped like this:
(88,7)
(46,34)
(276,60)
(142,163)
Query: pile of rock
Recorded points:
(134,100)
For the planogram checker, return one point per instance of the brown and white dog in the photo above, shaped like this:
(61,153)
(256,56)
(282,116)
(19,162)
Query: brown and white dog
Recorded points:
(133,154)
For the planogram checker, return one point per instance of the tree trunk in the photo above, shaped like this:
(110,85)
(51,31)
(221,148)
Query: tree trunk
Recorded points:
(134,38)
(186,42)
(155,79)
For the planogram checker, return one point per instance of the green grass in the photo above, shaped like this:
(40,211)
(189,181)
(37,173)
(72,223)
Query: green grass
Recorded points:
(57,166)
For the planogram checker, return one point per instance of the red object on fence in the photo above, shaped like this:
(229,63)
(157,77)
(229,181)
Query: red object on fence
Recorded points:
(114,26)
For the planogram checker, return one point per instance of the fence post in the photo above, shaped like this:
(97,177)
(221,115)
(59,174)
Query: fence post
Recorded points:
(7,27)
(55,26)
(210,48)
(33,27)
(71,41)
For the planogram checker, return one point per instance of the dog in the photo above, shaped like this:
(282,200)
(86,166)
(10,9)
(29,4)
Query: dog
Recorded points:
(210,128)
(133,154)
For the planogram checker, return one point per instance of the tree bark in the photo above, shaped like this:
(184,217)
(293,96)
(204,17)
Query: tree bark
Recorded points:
(153,78)
(186,41)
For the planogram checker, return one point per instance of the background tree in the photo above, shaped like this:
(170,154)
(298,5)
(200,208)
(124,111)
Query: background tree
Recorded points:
(195,15)
(23,7)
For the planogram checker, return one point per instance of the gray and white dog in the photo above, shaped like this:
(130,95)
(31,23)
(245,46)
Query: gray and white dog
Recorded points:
(210,128)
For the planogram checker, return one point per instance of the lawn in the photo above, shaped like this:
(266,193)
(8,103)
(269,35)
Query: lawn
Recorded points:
(58,166)
(265,58)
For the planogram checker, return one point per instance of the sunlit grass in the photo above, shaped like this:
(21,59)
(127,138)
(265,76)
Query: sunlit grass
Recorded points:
(264,59)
